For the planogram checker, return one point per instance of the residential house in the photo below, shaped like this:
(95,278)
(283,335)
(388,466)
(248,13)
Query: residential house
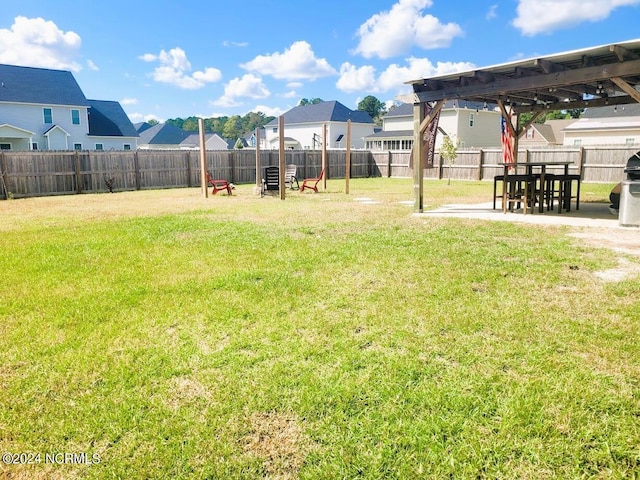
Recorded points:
(161,136)
(164,136)
(44,109)
(549,133)
(303,127)
(610,125)
(212,141)
(249,140)
(472,124)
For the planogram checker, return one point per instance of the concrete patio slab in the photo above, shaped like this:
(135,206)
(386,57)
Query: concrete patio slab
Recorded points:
(590,215)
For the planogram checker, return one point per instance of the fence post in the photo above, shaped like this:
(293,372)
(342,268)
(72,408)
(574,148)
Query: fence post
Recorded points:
(136,168)
(78,171)
(480,164)
(232,163)
(5,177)
(389,161)
(187,160)
(581,162)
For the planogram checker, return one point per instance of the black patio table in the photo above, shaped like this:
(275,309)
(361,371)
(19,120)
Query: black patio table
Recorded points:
(529,166)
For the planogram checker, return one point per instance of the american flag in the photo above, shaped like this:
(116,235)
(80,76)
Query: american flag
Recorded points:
(505,139)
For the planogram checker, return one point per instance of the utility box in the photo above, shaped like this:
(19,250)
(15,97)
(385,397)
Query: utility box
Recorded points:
(629,214)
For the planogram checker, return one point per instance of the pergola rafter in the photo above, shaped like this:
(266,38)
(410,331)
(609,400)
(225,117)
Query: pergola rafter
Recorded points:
(593,77)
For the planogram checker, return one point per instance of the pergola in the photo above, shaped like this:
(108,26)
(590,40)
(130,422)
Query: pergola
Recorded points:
(592,77)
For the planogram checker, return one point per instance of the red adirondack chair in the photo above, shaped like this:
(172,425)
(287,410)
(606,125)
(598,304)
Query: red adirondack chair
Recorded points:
(312,183)
(218,185)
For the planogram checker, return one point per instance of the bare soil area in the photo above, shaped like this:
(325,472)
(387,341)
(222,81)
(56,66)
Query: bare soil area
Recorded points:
(624,241)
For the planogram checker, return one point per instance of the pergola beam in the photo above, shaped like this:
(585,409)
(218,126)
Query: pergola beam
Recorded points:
(504,87)
(625,87)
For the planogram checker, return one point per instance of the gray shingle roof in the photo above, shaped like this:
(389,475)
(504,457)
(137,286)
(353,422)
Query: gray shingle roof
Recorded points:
(162,134)
(107,119)
(630,110)
(406,109)
(391,134)
(40,86)
(323,112)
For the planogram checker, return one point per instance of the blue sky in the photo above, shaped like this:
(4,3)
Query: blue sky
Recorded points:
(167,59)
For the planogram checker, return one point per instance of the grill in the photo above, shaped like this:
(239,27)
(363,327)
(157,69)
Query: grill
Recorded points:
(629,215)
(633,167)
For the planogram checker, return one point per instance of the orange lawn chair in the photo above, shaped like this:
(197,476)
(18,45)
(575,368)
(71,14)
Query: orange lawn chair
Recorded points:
(312,183)
(218,185)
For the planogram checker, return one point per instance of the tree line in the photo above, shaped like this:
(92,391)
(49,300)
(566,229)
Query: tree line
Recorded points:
(236,126)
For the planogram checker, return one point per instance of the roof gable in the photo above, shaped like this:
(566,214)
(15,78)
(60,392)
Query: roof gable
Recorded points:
(163,134)
(107,119)
(323,112)
(40,86)
(406,109)
(612,111)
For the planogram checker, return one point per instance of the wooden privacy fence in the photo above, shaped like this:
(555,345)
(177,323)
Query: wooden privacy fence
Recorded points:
(31,174)
(595,164)
(40,173)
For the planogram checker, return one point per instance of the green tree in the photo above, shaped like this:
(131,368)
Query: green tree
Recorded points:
(306,101)
(449,151)
(191,124)
(374,107)
(153,122)
(233,127)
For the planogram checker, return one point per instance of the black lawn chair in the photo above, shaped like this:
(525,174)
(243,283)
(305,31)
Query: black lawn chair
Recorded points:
(270,181)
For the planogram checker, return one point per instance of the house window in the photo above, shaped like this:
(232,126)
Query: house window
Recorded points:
(99,146)
(530,132)
(275,130)
(471,120)
(34,146)
(5,146)
(77,146)
(48,115)
(127,146)
(577,143)
(629,141)
(75,117)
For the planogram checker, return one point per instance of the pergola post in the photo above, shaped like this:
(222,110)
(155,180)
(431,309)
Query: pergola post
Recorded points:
(281,157)
(203,159)
(418,148)
(258,159)
(423,147)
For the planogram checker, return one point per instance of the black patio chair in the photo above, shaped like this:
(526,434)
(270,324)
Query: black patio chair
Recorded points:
(270,181)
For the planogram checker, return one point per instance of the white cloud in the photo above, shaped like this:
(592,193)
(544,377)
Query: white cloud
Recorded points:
(364,79)
(491,14)
(36,42)
(148,57)
(356,79)
(396,31)
(92,66)
(129,101)
(175,69)
(533,15)
(269,111)
(298,62)
(140,117)
(228,43)
(249,86)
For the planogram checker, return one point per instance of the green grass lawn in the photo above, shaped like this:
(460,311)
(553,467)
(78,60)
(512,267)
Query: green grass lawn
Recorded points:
(171,336)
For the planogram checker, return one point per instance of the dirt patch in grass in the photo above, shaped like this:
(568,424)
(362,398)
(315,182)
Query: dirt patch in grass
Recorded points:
(622,241)
(278,440)
(186,390)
